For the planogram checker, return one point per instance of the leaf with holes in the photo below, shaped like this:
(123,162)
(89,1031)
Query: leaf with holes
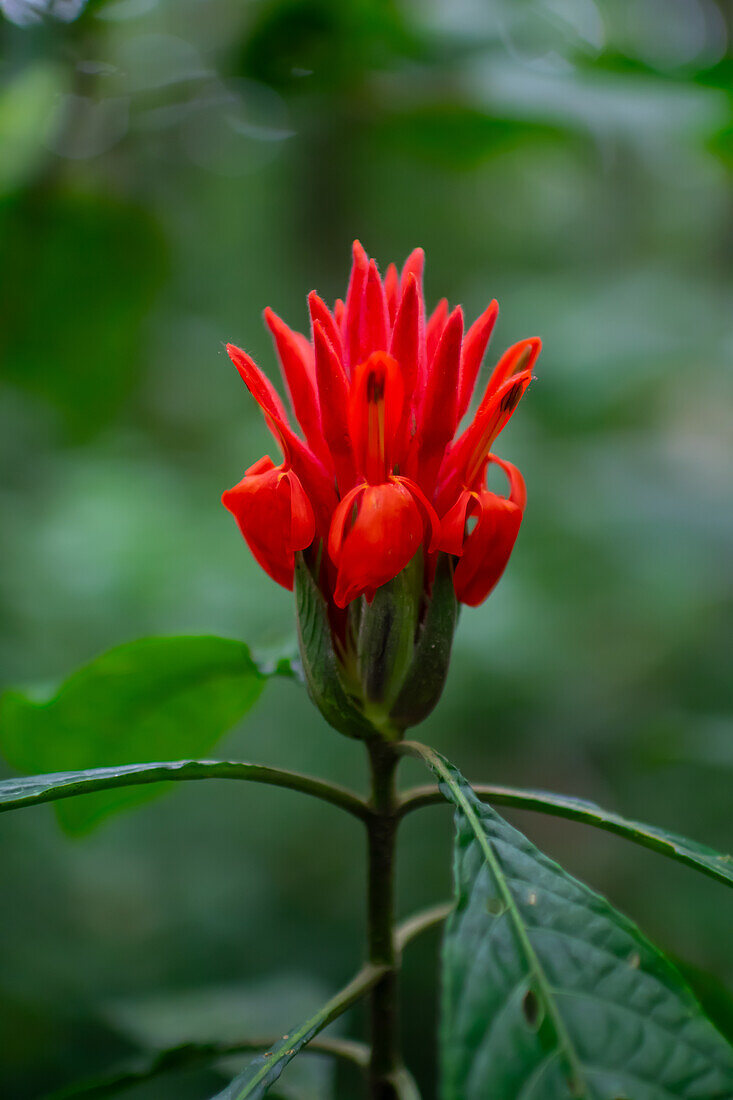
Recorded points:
(548,993)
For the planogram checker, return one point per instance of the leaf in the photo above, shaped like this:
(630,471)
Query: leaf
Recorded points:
(255,1080)
(141,701)
(450,135)
(548,992)
(26,101)
(31,790)
(690,852)
(71,321)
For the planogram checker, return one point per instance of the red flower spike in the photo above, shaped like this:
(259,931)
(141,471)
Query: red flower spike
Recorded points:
(437,418)
(375,412)
(319,311)
(274,515)
(333,389)
(375,316)
(353,307)
(386,534)
(484,552)
(379,394)
(434,328)
(392,291)
(474,349)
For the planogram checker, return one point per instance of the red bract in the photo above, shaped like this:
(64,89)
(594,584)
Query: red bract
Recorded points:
(379,394)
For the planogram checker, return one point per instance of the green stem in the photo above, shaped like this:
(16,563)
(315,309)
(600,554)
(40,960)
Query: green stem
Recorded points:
(385,1059)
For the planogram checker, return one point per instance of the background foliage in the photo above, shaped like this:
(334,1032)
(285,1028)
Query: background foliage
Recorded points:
(169,168)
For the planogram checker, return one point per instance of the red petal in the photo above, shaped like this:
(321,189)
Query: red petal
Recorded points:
(517,487)
(437,418)
(302,520)
(414,265)
(275,517)
(453,525)
(515,360)
(467,457)
(386,534)
(407,338)
(319,311)
(392,291)
(299,374)
(333,389)
(341,516)
(487,549)
(375,413)
(429,514)
(353,309)
(257,383)
(375,316)
(474,349)
(434,328)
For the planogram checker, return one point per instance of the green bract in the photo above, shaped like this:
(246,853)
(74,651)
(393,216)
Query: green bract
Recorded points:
(379,667)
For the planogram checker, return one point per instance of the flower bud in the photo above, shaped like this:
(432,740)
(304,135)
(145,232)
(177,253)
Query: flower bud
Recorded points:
(378,666)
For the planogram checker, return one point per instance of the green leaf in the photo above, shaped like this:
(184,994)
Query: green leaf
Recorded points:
(255,1080)
(141,701)
(690,852)
(71,321)
(26,102)
(31,790)
(548,992)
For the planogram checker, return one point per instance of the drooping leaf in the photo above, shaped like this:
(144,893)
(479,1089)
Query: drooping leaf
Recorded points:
(139,702)
(548,992)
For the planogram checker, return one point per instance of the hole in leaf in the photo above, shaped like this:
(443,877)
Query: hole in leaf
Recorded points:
(495,907)
(532,1009)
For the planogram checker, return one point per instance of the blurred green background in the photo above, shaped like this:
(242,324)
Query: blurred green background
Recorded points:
(167,169)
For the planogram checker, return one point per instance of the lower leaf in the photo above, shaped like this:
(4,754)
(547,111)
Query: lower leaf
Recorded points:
(548,992)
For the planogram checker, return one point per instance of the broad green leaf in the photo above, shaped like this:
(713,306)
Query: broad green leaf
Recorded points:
(548,992)
(153,698)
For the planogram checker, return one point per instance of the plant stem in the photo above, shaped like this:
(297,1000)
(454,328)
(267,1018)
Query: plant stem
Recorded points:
(382,829)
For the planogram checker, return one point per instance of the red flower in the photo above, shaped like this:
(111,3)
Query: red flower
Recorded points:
(379,394)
